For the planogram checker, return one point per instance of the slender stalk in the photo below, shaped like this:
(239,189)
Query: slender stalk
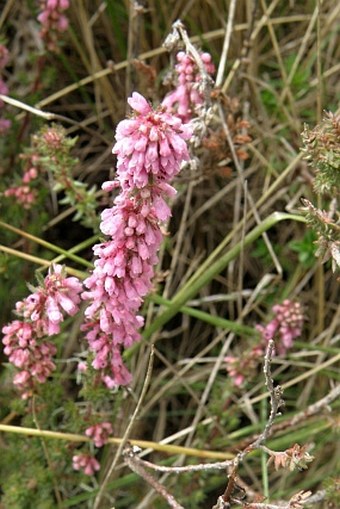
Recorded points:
(226,43)
(79,247)
(46,244)
(39,261)
(264,457)
(48,458)
(127,432)
(146,444)
(209,269)
(208,318)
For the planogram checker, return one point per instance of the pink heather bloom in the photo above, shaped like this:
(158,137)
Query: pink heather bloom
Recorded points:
(187,95)
(150,148)
(23,194)
(5,124)
(241,368)
(88,464)
(40,315)
(26,351)
(285,326)
(52,21)
(99,433)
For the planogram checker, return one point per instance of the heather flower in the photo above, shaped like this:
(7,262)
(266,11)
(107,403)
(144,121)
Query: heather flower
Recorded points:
(285,326)
(40,316)
(241,368)
(188,93)
(88,464)
(99,433)
(150,148)
(5,124)
(23,194)
(25,350)
(52,21)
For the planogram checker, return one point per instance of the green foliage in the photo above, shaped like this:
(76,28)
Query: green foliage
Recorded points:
(27,482)
(322,151)
(332,487)
(305,248)
(53,149)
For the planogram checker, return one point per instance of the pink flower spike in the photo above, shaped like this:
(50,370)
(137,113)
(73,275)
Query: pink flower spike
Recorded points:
(150,148)
(40,315)
(187,96)
(286,325)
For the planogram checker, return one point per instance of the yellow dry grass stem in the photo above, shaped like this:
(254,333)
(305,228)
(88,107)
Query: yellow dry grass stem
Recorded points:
(145,444)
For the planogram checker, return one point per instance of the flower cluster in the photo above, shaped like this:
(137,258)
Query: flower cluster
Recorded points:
(285,326)
(241,368)
(85,462)
(5,124)
(40,315)
(52,21)
(24,192)
(150,148)
(188,94)
(99,433)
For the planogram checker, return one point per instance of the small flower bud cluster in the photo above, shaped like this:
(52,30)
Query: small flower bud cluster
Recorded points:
(85,462)
(24,193)
(150,148)
(40,315)
(188,94)
(285,326)
(5,124)
(241,368)
(99,433)
(52,21)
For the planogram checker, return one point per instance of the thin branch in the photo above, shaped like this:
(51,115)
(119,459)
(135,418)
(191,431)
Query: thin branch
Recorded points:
(127,432)
(226,43)
(179,32)
(46,115)
(275,403)
(219,465)
(136,465)
(48,458)
(297,501)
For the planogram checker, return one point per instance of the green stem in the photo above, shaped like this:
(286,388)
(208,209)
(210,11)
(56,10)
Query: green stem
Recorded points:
(47,245)
(206,317)
(209,269)
(79,247)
